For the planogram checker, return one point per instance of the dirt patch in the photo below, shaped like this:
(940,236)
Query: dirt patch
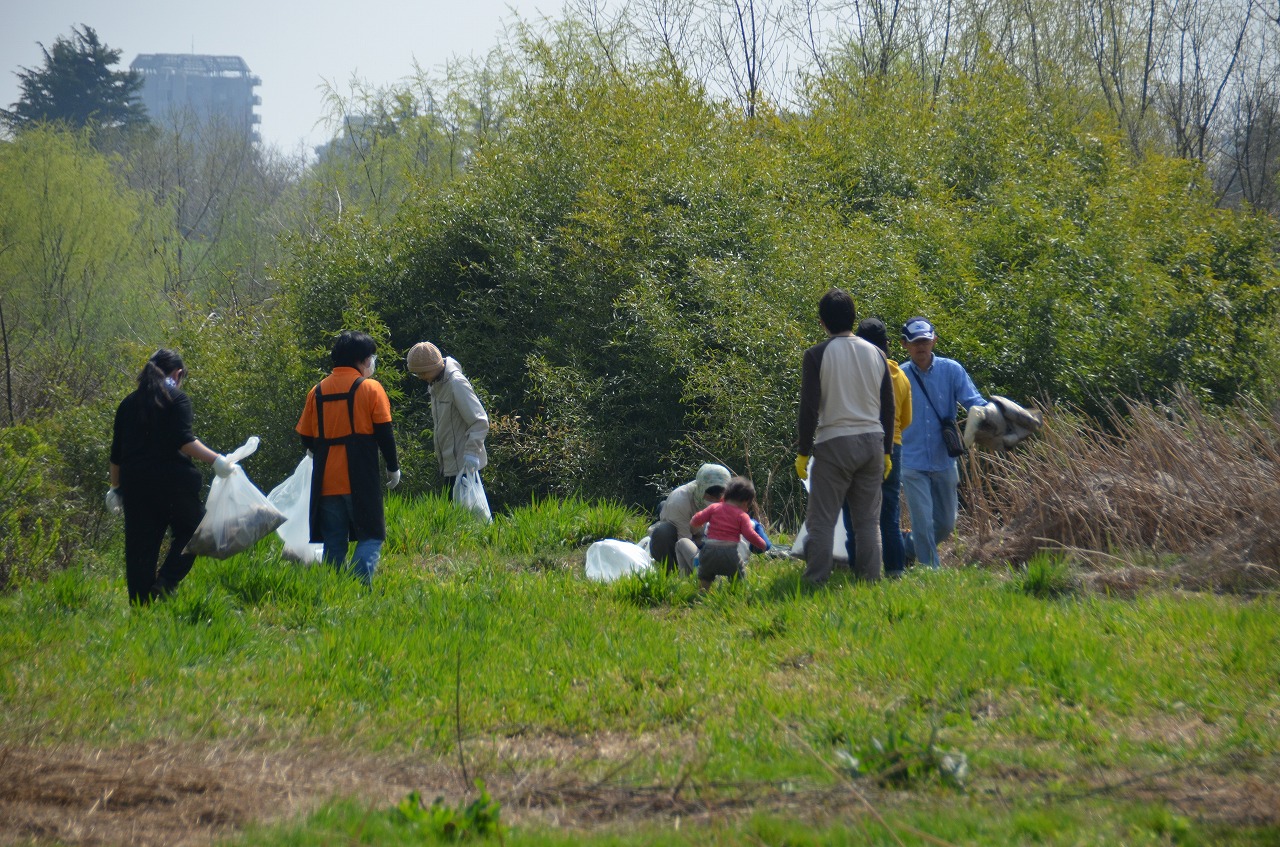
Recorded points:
(179,794)
(1231,799)
(192,794)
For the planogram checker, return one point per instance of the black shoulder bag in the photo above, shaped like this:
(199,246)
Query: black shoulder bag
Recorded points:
(950,432)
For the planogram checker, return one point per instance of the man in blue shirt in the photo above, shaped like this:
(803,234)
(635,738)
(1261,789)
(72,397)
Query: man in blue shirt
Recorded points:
(930,478)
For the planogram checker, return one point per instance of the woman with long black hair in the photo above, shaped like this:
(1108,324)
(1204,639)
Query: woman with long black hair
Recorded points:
(153,480)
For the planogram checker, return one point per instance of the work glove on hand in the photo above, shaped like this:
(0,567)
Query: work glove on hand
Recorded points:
(223,466)
(393,479)
(470,463)
(802,467)
(888,465)
(114,504)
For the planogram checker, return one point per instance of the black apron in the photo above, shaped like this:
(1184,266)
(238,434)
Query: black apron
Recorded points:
(362,470)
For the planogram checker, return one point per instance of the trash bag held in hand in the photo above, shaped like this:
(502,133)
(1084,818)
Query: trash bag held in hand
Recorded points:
(468,491)
(236,514)
(293,498)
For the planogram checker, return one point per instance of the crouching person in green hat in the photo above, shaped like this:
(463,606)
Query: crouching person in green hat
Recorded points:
(673,543)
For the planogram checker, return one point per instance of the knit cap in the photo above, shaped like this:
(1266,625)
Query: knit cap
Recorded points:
(423,358)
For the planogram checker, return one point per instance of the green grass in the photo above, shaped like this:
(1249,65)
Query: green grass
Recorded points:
(480,632)
(943,821)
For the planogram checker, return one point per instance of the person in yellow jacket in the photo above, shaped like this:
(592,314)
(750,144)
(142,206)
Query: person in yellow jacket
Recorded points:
(893,550)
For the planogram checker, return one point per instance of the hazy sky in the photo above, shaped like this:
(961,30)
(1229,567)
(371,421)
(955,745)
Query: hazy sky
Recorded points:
(292,45)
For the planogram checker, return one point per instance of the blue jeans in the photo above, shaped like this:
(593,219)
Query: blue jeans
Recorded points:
(933,498)
(336,525)
(893,551)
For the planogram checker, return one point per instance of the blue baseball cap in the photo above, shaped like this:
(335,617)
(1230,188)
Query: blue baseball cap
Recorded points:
(918,329)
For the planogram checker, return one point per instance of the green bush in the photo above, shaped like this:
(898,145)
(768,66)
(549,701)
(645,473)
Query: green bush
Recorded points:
(34,505)
(629,272)
(247,376)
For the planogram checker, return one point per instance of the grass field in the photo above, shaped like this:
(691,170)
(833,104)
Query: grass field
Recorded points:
(268,703)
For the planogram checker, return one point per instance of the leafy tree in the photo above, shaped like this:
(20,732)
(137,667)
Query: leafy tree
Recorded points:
(399,142)
(641,209)
(226,201)
(80,262)
(76,87)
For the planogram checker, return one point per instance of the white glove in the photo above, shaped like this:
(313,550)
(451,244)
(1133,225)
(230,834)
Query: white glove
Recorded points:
(114,504)
(393,479)
(471,463)
(223,467)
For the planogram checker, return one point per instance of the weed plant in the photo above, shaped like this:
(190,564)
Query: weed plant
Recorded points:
(1047,575)
(477,819)
(434,525)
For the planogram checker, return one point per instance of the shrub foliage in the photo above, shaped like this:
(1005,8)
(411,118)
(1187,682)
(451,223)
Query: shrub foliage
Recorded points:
(630,271)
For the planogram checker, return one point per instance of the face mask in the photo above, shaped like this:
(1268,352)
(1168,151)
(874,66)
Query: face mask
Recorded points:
(373,364)
(171,383)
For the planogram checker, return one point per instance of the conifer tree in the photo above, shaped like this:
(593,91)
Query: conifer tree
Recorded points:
(76,87)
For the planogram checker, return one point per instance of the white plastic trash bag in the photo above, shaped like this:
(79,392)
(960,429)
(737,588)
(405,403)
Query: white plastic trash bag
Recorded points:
(838,551)
(468,491)
(236,514)
(293,498)
(610,559)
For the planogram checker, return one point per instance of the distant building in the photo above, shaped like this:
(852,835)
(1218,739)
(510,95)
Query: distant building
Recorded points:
(178,88)
(355,130)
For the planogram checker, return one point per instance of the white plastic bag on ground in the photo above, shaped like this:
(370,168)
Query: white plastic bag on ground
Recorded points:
(609,559)
(236,514)
(468,491)
(293,498)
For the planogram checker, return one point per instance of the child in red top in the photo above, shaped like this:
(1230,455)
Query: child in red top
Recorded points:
(727,522)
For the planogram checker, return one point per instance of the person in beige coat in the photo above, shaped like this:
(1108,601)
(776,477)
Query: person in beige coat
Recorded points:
(460,420)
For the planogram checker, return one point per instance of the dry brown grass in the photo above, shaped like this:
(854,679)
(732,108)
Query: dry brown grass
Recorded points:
(1162,494)
(192,794)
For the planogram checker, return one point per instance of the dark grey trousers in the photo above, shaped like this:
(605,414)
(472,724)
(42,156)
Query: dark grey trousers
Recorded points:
(848,469)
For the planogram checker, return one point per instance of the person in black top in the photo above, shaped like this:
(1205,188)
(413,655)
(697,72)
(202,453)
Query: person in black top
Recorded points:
(153,480)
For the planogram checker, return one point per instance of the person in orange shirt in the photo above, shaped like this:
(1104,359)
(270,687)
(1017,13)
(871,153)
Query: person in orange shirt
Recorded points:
(345,423)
